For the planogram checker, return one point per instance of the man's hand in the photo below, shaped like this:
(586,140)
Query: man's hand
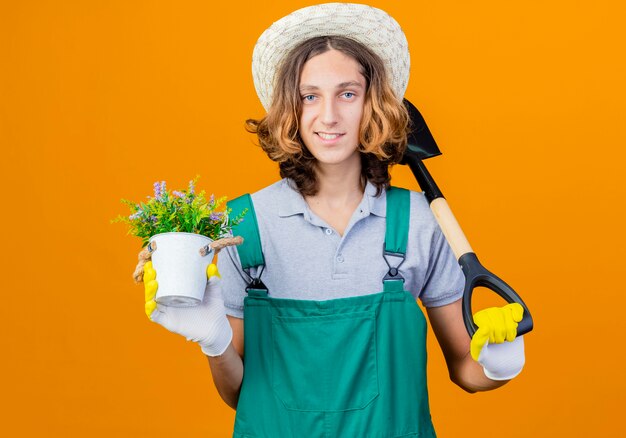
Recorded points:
(495,345)
(205,323)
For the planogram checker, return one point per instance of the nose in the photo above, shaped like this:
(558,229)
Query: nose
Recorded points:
(328,112)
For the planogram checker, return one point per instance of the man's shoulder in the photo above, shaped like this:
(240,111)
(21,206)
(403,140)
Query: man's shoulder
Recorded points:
(419,203)
(270,200)
(421,214)
(269,193)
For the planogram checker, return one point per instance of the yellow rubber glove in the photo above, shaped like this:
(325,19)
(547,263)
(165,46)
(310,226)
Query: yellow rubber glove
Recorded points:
(500,360)
(495,324)
(150,287)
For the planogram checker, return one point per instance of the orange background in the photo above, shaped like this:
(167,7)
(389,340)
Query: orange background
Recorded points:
(100,99)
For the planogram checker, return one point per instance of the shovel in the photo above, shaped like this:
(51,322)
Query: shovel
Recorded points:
(421,145)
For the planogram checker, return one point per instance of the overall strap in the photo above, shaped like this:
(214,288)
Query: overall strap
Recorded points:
(396,236)
(250,251)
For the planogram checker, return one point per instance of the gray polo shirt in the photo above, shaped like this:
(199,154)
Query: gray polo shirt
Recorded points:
(307,259)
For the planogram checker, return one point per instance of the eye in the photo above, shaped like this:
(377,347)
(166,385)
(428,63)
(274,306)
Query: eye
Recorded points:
(348,94)
(308,98)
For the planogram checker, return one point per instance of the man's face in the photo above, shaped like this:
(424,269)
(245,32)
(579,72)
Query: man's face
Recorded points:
(332,90)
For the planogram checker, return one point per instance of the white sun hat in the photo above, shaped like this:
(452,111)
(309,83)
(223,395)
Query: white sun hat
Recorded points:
(370,26)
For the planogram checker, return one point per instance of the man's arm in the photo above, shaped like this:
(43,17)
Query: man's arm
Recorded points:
(447,323)
(227,369)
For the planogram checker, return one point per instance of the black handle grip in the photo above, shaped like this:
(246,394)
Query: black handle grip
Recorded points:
(477,275)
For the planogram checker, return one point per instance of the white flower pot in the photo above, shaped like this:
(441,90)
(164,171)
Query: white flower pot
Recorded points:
(180,269)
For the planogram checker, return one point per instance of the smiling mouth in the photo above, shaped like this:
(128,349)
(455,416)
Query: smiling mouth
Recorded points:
(326,136)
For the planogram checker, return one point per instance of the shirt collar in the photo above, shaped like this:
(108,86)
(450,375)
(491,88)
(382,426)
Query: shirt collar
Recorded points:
(293,203)
(377,205)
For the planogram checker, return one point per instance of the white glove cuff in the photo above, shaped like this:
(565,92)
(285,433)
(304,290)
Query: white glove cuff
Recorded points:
(503,361)
(222,333)
(218,348)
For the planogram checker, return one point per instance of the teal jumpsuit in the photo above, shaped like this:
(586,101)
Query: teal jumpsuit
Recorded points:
(347,367)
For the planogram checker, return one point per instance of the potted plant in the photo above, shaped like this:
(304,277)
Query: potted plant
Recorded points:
(183,225)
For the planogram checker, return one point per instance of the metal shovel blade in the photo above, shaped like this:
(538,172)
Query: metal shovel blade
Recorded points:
(420,141)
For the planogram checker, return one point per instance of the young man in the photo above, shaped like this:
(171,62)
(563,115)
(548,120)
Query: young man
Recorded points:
(334,340)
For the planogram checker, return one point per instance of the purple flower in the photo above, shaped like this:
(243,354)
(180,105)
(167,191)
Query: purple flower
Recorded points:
(179,194)
(216,216)
(157,191)
(212,199)
(135,215)
(153,218)
(191,187)
(163,190)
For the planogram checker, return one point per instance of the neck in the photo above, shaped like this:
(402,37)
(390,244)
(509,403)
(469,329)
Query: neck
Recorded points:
(339,184)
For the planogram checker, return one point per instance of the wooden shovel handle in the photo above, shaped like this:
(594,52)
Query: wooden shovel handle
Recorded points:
(450,227)
(475,273)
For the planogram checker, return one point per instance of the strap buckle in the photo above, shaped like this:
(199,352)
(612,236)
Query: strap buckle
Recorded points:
(393,273)
(256,282)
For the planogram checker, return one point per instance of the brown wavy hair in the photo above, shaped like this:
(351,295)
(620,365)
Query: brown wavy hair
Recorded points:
(384,124)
